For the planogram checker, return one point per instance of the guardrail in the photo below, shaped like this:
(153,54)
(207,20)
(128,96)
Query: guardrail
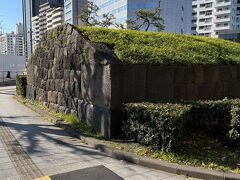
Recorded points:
(9,77)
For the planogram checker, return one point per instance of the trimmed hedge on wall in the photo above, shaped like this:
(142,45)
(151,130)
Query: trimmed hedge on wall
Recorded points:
(135,47)
(21,85)
(168,125)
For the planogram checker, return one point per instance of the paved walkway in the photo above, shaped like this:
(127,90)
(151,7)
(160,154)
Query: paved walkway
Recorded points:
(31,147)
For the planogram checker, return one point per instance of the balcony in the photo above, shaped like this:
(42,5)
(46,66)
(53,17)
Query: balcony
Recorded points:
(204,23)
(221,28)
(222,20)
(223,12)
(57,14)
(222,4)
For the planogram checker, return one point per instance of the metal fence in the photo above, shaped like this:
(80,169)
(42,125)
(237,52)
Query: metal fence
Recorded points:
(9,77)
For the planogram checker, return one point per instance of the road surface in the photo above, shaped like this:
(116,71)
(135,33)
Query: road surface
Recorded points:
(31,147)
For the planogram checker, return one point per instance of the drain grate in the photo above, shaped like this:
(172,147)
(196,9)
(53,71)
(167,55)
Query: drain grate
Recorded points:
(22,162)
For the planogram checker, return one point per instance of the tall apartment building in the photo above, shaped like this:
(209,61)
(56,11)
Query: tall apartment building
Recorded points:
(18,40)
(6,43)
(72,9)
(176,13)
(30,10)
(212,17)
(50,16)
(13,43)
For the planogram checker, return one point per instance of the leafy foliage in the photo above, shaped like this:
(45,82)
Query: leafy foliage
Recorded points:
(21,85)
(168,125)
(135,47)
(156,125)
(235,121)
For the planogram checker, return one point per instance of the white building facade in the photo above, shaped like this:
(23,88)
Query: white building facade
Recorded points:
(49,17)
(212,17)
(13,43)
(176,14)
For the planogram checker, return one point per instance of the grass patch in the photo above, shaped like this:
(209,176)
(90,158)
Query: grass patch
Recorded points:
(70,119)
(135,47)
(215,156)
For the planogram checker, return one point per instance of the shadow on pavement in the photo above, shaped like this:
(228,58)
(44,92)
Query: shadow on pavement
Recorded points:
(34,133)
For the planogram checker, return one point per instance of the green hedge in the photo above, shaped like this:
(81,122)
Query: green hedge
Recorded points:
(168,125)
(135,47)
(21,85)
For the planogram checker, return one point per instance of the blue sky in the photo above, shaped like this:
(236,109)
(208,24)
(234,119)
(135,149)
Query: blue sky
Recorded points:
(10,14)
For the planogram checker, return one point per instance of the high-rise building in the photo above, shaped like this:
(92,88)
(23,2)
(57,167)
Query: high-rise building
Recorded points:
(18,40)
(31,9)
(72,9)
(212,17)
(50,16)
(27,25)
(13,43)
(175,13)
(6,43)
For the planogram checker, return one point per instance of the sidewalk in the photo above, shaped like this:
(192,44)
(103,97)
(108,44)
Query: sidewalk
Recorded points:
(31,147)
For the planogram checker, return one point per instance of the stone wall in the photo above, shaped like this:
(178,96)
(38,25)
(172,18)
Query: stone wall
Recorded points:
(72,75)
(172,83)
(69,74)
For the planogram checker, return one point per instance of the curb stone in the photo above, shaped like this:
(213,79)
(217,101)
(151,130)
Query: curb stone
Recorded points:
(195,172)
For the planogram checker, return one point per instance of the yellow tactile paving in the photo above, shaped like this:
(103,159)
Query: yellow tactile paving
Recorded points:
(44,178)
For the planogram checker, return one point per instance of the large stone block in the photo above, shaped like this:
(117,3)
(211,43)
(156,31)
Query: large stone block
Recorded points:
(75,104)
(41,95)
(62,100)
(66,75)
(31,92)
(69,102)
(96,84)
(53,97)
(43,84)
(85,111)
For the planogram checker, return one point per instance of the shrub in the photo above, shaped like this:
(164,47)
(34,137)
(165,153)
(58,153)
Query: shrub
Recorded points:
(21,85)
(168,125)
(135,47)
(156,124)
(234,133)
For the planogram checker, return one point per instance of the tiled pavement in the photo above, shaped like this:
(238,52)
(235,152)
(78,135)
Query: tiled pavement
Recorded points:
(29,144)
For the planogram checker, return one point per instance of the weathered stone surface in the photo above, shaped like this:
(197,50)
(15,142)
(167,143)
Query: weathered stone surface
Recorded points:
(41,95)
(55,76)
(52,97)
(62,100)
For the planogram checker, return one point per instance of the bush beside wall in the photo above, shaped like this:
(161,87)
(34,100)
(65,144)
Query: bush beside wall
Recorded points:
(21,85)
(168,125)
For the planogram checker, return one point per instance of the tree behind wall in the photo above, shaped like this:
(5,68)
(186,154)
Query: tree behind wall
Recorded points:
(89,14)
(145,19)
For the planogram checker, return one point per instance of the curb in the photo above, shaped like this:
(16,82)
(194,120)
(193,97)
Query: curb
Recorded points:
(195,172)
